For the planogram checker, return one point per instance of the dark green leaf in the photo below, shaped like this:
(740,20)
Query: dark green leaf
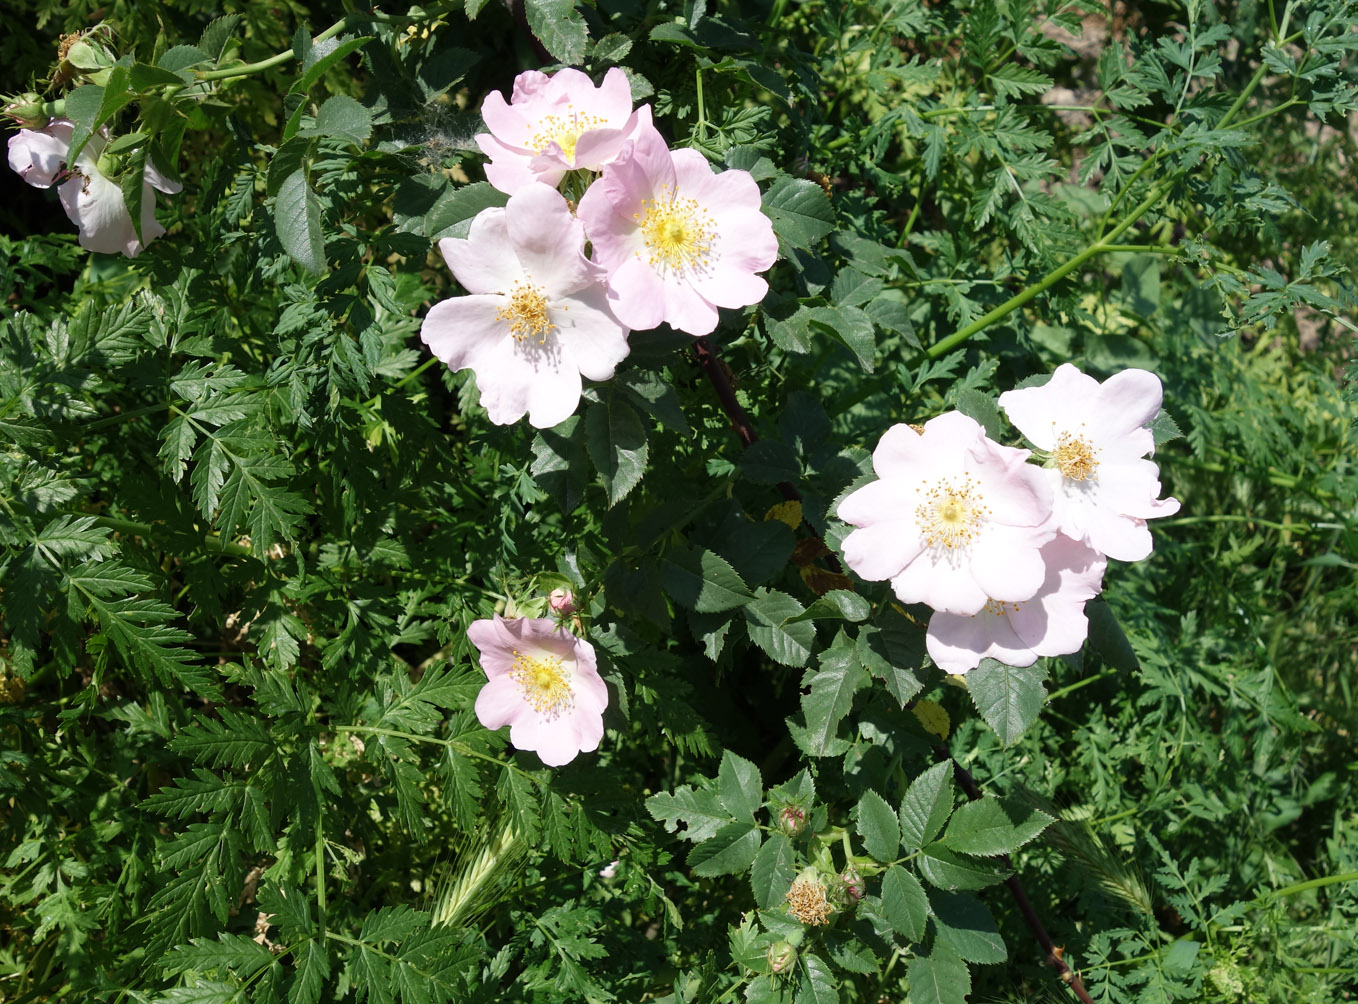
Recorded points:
(775,866)
(297,218)
(616,441)
(940,977)
(965,924)
(739,786)
(878,827)
(993,826)
(800,212)
(703,581)
(730,851)
(904,903)
(926,806)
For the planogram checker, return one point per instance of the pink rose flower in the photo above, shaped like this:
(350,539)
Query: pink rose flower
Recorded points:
(1053,622)
(543,683)
(554,124)
(537,319)
(955,521)
(677,239)
(1095,435)
(92,201)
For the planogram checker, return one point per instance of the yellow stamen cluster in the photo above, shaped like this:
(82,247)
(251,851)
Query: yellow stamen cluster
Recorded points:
(563,130)
(1076,457)
(999,607)
(951,514)
(527,313)
(678,232)
(544,684)
(806,901)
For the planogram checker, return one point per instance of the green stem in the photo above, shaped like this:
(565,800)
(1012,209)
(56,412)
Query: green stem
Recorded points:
(1315,883)
(1237,518)
(147,530)
(1080,683)
(321,910)
(124,416)
(462,748)
(246,69)
(1047,281)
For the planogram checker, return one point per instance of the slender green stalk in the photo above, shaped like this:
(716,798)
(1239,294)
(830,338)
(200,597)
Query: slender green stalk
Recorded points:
(1315,883)
(1048,280)
(321,911)
(124,416)
(147,530)
(349,20)
(1080,683)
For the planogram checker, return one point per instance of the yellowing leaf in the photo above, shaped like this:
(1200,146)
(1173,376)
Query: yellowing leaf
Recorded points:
(786,512)
(934,719)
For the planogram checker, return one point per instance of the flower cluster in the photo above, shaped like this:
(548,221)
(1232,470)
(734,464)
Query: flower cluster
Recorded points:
(92,200)
(671,241)
(1005,551)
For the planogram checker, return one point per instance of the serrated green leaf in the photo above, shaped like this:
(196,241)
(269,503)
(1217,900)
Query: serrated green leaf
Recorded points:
(837,604)
(341,117)
(940,977)
(904,903)
(313,968)
(1009,698)
(329,58)
(740,789)
(1107,638)
(947,870)
(730,851)
(560,29)
(800,212)
(698,810)
(617,444)
(877,826)
(297,220)
(926,806)
(774,622)
(703,581)
(993,826)
(964,923)
(775,866)
(833,686)
(818,984)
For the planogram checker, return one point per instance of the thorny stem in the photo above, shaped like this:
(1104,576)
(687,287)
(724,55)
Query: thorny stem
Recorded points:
(1021,900)
(740,419)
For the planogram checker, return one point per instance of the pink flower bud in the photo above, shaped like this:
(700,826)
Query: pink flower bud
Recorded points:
(792,820)
(561,601)
(782,956)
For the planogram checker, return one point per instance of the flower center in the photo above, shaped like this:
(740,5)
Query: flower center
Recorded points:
(565,131)
(952,514)
(678,232)
(1076,457)
(526,313)
(544,684)
(806,901)
(1000,608)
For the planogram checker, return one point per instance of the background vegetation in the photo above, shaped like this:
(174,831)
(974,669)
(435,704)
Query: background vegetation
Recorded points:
(244,523)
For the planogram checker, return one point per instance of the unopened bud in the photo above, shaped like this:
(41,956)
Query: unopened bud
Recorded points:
(782,956)
(561,601)
(854,886)
(27,110)
(88,58)
(792,820)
